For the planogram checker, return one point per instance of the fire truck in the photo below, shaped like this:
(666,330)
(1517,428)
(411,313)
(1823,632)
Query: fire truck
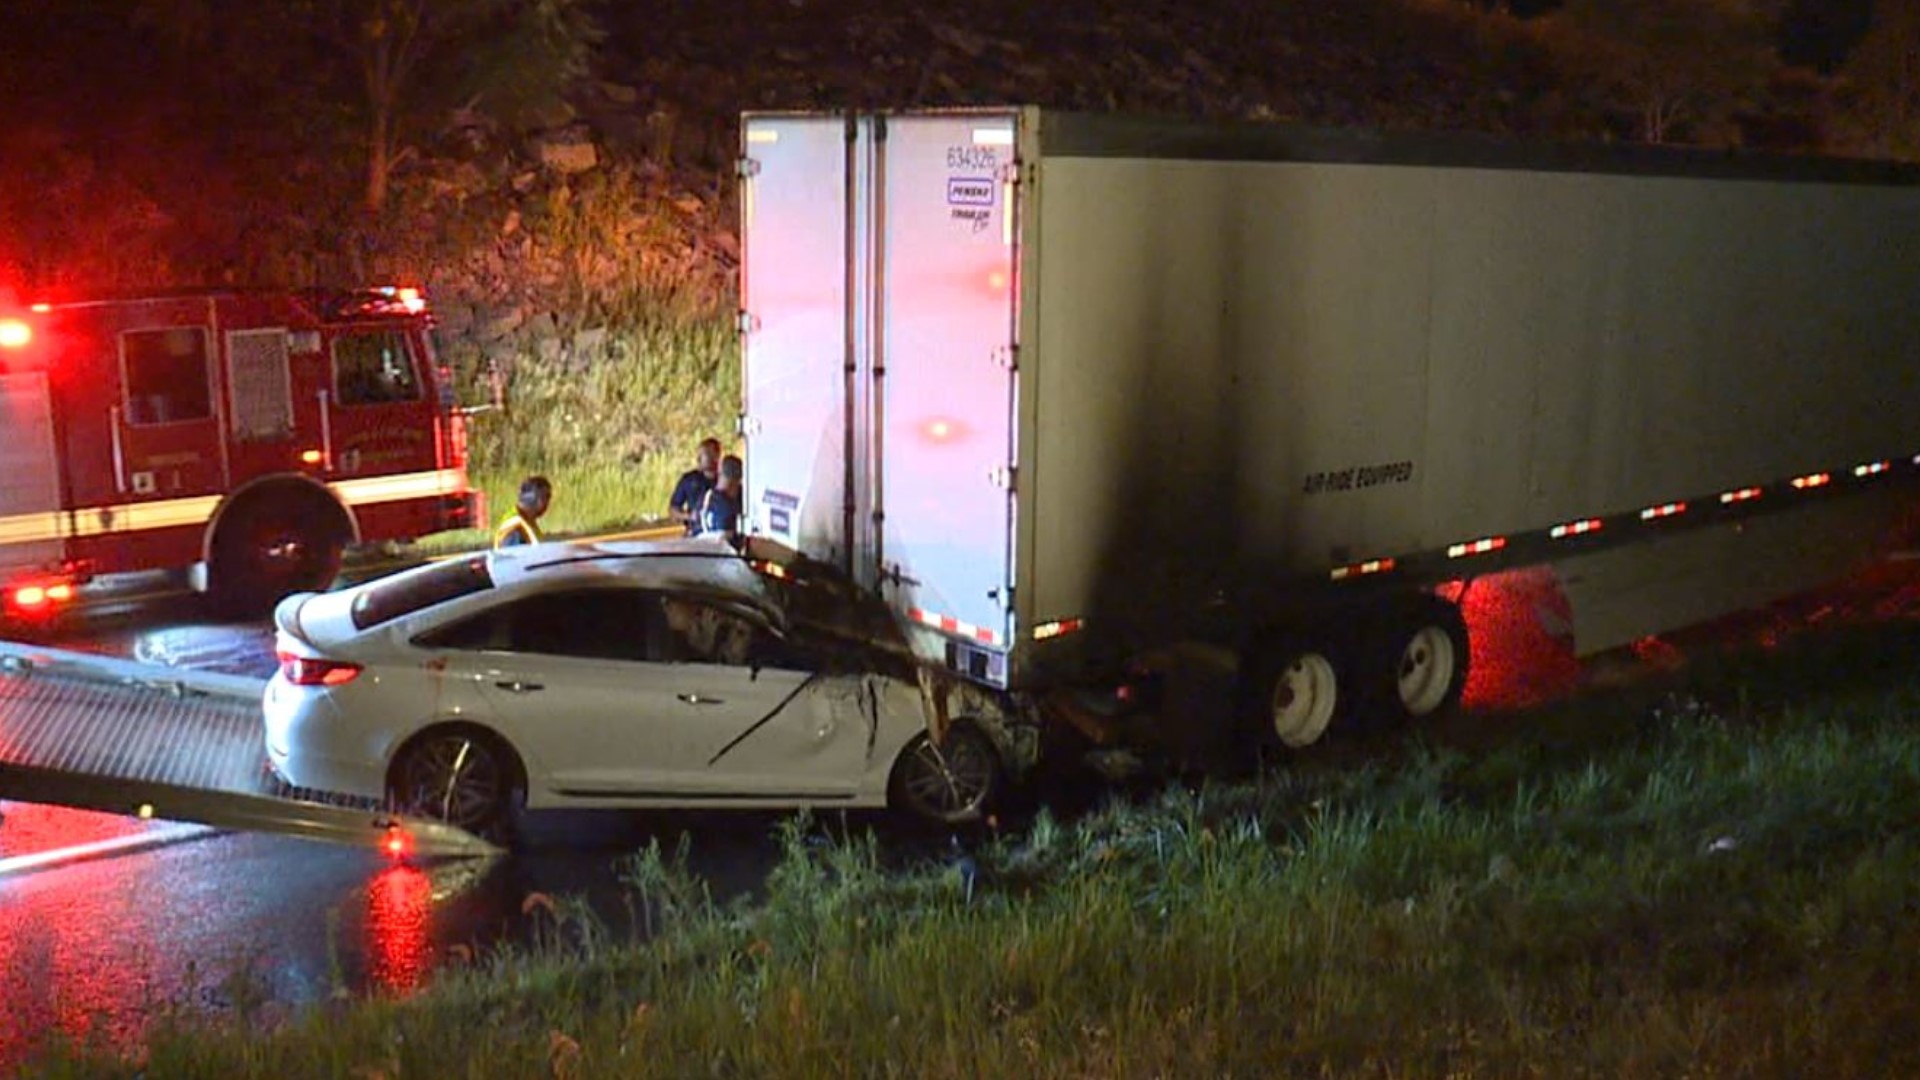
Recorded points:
(245,438)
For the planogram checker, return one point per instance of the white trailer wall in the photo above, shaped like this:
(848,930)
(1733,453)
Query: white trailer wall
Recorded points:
(1491,350)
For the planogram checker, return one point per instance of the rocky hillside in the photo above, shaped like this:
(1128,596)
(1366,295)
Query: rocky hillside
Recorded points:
(642,169)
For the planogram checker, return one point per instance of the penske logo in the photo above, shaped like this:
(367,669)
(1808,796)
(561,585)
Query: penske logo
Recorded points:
(87,521)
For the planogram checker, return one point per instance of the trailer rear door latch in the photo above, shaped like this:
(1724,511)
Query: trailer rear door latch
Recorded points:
(1002,477)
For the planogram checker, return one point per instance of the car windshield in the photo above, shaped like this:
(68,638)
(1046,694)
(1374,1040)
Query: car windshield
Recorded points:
(404,594)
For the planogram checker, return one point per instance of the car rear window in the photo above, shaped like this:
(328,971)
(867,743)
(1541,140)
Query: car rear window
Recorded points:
(404,594)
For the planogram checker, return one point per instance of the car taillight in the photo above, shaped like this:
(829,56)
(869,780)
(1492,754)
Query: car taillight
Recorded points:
(314,671)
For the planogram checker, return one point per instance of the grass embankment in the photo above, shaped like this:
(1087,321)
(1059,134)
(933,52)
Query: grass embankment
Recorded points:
(612,426)
(1636,885)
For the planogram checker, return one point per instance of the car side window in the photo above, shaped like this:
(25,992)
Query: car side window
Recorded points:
(487,630)
(700,632)
(593,624)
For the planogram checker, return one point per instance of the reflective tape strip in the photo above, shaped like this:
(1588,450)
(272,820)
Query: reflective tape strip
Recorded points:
(104,520)
(1371,566)
(128,517)
(947,624)
(88,521)
(417,485)
(31,528)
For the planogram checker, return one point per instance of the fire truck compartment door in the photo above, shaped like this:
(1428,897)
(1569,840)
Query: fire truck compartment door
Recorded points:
(168,432)
(29,484)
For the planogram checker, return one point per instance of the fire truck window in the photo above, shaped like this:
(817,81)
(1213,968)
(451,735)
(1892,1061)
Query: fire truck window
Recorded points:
(374,369)
(166,375)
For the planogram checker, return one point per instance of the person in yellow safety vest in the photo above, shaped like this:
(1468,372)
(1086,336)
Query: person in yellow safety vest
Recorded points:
(523,525)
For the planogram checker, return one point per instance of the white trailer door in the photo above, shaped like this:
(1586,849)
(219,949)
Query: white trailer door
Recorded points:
(29,484)
(944,367)
(795,335)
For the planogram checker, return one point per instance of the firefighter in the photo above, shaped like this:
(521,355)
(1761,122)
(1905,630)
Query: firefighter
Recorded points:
(720,509)
(691,492)
(523,525)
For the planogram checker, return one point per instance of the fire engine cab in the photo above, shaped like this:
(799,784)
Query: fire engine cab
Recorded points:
(245,437)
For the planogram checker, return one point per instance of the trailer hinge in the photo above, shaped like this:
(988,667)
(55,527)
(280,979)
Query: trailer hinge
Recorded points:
(1010,173)
(746,425)
(746,168)
(747,322)
(1007,357)
(1001,476)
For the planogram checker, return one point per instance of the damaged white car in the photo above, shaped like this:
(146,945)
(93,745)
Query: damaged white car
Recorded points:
(614,675)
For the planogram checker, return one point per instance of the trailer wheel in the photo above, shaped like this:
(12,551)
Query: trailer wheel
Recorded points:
(1420,656)
(948,782)
(463,776)
(275,543)
(1292,694)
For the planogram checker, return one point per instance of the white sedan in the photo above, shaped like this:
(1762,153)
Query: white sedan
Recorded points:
(615,675)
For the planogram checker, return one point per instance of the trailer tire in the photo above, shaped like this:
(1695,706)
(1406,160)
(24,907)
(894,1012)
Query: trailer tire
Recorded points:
(1417,660)
(949,782)
(274,543)
(463,775)
(1293,691)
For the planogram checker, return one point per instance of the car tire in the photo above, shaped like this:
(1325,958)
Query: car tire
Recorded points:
(463,776)
(949,782)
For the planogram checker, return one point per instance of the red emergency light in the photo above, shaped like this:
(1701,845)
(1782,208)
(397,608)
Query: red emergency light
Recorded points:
(39,597)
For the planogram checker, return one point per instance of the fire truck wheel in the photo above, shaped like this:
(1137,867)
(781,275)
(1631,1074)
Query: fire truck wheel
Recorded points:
(1417,660)
(273,544)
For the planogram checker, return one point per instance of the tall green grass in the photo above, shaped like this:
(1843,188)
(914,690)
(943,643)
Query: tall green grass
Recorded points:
(1708,878)
(644,393)
(612,424)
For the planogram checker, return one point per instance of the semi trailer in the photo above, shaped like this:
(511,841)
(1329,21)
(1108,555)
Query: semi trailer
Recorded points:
(1073,391)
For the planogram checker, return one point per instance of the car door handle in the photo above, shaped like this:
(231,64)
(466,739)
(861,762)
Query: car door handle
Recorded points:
(518,687)
(699,699)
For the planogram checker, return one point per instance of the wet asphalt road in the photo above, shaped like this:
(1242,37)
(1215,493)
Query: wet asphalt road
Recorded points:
(97,948)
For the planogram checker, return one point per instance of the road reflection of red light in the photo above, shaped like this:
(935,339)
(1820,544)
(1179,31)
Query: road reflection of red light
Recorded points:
(399,928)
(29,828)
(1521,629)
(71,966)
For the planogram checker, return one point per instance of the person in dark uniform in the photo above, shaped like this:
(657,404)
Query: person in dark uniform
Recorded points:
(720,509)
(523,525)
(694,484)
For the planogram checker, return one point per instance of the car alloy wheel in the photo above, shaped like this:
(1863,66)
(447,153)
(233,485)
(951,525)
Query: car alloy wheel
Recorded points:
(457,777)
(950,781)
